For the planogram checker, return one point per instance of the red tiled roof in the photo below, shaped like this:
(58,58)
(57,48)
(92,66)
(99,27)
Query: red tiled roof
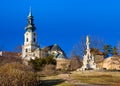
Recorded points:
(10,54)
(100,53)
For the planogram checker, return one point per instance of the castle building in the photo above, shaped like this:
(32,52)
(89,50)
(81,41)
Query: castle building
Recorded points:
(31,49)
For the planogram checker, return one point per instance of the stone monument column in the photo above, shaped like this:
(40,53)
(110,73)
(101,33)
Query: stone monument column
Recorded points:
(88,59)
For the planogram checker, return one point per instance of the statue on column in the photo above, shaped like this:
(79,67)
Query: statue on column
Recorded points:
(87,40)
(88,59)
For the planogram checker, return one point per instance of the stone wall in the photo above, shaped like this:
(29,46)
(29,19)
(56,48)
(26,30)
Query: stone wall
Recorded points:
(112,63)
(62,63)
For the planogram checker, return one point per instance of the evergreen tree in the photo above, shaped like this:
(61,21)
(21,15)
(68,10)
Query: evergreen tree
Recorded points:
(39,63)
(107,50)
(114,51)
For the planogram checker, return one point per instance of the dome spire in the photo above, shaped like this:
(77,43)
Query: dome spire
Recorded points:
(30,25)
(30,13)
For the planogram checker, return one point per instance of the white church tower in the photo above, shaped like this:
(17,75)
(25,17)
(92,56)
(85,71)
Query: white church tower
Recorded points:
(30,49)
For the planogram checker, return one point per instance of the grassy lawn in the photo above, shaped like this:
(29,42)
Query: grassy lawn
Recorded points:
(92,77)
(89,77)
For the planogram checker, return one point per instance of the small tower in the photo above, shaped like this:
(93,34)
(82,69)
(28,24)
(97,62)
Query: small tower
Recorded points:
(30,39)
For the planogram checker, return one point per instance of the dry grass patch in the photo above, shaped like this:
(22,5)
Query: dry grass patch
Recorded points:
(65,84)
(93,77)
(88,77)
(16,74)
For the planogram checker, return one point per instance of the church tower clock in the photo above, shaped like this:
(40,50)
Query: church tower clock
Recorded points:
(30,39)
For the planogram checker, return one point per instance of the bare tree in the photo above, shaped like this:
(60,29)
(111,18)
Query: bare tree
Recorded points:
(118,47)
(18,49)
(2,48)
(80,47)
(75,63)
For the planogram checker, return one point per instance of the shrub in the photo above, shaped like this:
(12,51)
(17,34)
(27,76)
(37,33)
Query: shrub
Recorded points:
(17,74)
(39,63)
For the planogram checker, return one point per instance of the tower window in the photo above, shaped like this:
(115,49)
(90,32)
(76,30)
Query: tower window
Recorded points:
(26,33)
(26,50)
(26,39)
(34,39)
(34,34)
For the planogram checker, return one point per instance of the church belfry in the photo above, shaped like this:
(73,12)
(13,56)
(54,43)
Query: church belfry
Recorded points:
(30,39)
(30,25)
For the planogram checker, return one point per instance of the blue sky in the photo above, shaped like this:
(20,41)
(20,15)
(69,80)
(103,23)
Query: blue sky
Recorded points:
(60,22)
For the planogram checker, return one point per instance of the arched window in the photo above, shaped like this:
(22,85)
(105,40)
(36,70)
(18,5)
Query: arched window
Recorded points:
(34,34)
(34,39)
(26,50)
(26,39)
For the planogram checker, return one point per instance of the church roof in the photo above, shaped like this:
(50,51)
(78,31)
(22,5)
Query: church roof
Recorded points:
(48,48)
(61,56)
(55,47)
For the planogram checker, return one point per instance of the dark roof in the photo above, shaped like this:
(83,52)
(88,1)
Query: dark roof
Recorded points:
(54,47)
(60,56)
(48,48)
